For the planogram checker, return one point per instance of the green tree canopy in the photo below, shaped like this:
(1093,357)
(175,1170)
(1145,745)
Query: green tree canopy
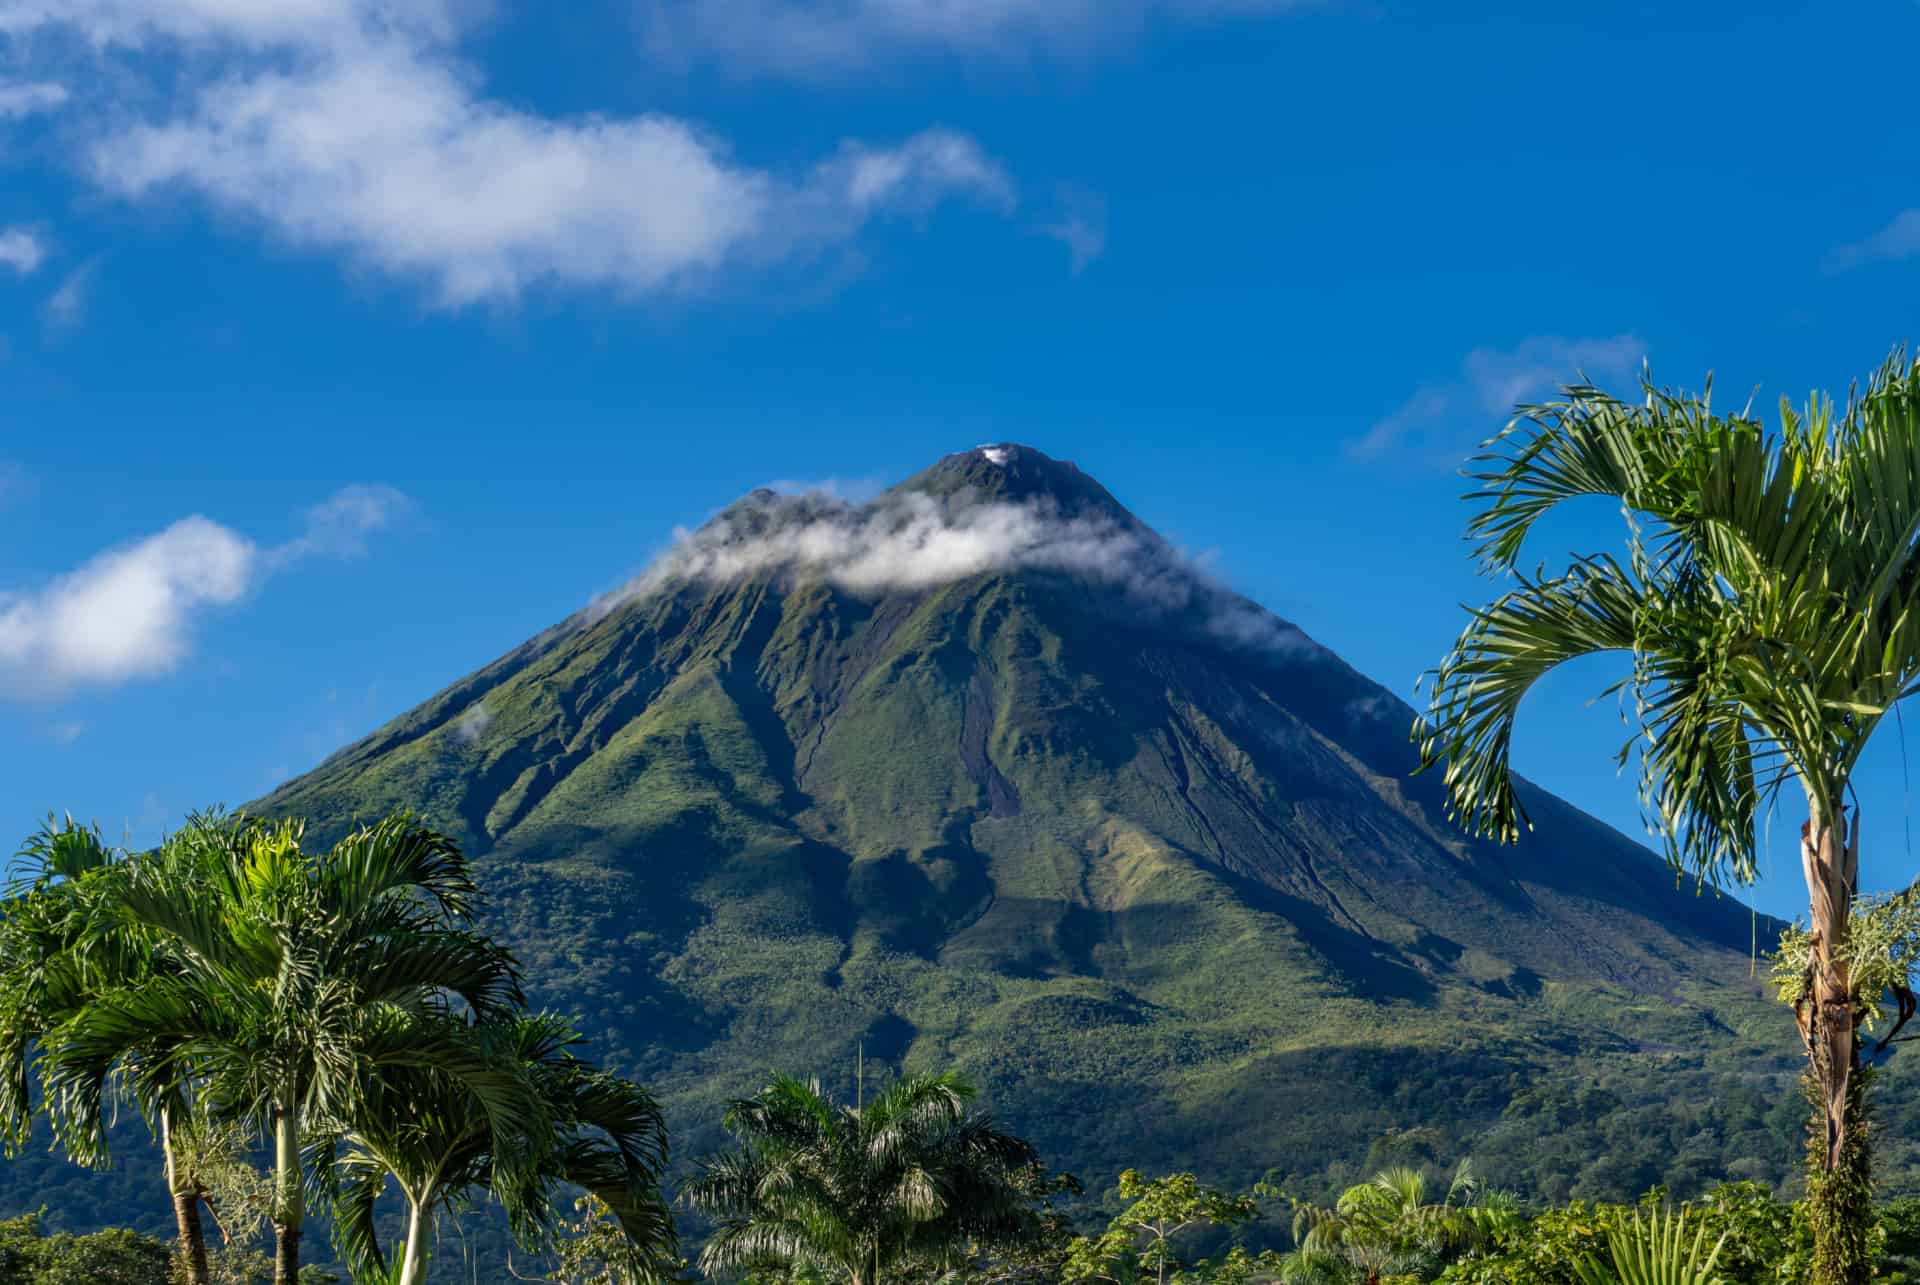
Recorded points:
(863,1193)
(1140,1243)
(63,942)
(1388,1226)
(292,976)
(441,1143)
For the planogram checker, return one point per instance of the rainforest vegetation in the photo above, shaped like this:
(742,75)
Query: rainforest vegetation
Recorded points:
(350,1066)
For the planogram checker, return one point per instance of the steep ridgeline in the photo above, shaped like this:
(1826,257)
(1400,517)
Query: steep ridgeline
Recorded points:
(982,771)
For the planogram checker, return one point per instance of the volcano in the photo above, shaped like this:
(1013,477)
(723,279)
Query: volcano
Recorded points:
(984,772)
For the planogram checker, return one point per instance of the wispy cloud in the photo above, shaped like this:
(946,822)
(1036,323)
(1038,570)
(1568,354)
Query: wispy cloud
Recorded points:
(913,541)
(340,524)
(1899,239)
(22,249)
(1440,423)
(352,126)
(851,490)
(1080,224)
(66,731)
(67,307)
(129,612)
(473,723)
(25,98)
(816,39)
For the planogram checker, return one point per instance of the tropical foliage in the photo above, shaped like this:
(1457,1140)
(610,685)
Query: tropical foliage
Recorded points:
(860,1193)
(1656,1252)
(1387,1227)
(1142,1243)
(428,1130)
(1769,597)
(63,943)
(335,1004)
(31,1256)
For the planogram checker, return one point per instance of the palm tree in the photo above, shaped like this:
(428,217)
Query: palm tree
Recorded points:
(296,976)
(861,1192)
(1770,599)
(1387,1225)
(60,943)
(442,1143)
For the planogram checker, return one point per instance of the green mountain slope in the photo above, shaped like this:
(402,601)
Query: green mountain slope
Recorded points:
(983,772)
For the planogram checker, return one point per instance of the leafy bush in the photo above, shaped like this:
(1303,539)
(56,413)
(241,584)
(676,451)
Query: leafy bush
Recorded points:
(29,1256)
(1140,1245)
(1656,1252)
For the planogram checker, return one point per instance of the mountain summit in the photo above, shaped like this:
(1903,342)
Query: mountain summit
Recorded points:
(1014,473)
(984,771)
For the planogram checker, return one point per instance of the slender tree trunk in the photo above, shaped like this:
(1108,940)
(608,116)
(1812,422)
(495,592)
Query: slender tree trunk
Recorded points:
(186,1207)
(413,1266)
(1840,1201)
(1839,1185)
(193,1241)
(289,1199)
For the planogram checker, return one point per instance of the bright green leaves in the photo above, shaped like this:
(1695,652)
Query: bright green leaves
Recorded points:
(907,1179)
(1387,1226)
(1770,600)
(504,1107)
(1881,953)
(1656,1252)
(1139,1244)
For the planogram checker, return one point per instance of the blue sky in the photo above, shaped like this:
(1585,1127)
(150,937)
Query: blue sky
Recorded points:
(346,343)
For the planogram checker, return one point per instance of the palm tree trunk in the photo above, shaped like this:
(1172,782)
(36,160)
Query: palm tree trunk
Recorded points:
(186,1206)
(413,1266)
(1840,1201)
(1839,1186)
(193,1240)
(289,1203)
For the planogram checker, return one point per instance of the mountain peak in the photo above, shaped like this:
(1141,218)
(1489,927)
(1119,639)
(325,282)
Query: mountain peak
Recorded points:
(1010,471)
(1021,753)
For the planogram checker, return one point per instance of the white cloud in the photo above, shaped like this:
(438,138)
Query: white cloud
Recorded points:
(249,23)
(339,526)
(350,126)
(1440,423)
(817,38)
(914,541)
(24,98)
(22,249)
(1900,239)
(124,614)
(473,724)
(128,612)
(1503,378)
(915,175)
(67,307)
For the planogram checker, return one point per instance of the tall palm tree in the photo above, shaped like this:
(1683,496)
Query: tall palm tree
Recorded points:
(1770,599)
(1387,1225)
(442,1143)
(865,1191)
(60,944)
(297,975)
